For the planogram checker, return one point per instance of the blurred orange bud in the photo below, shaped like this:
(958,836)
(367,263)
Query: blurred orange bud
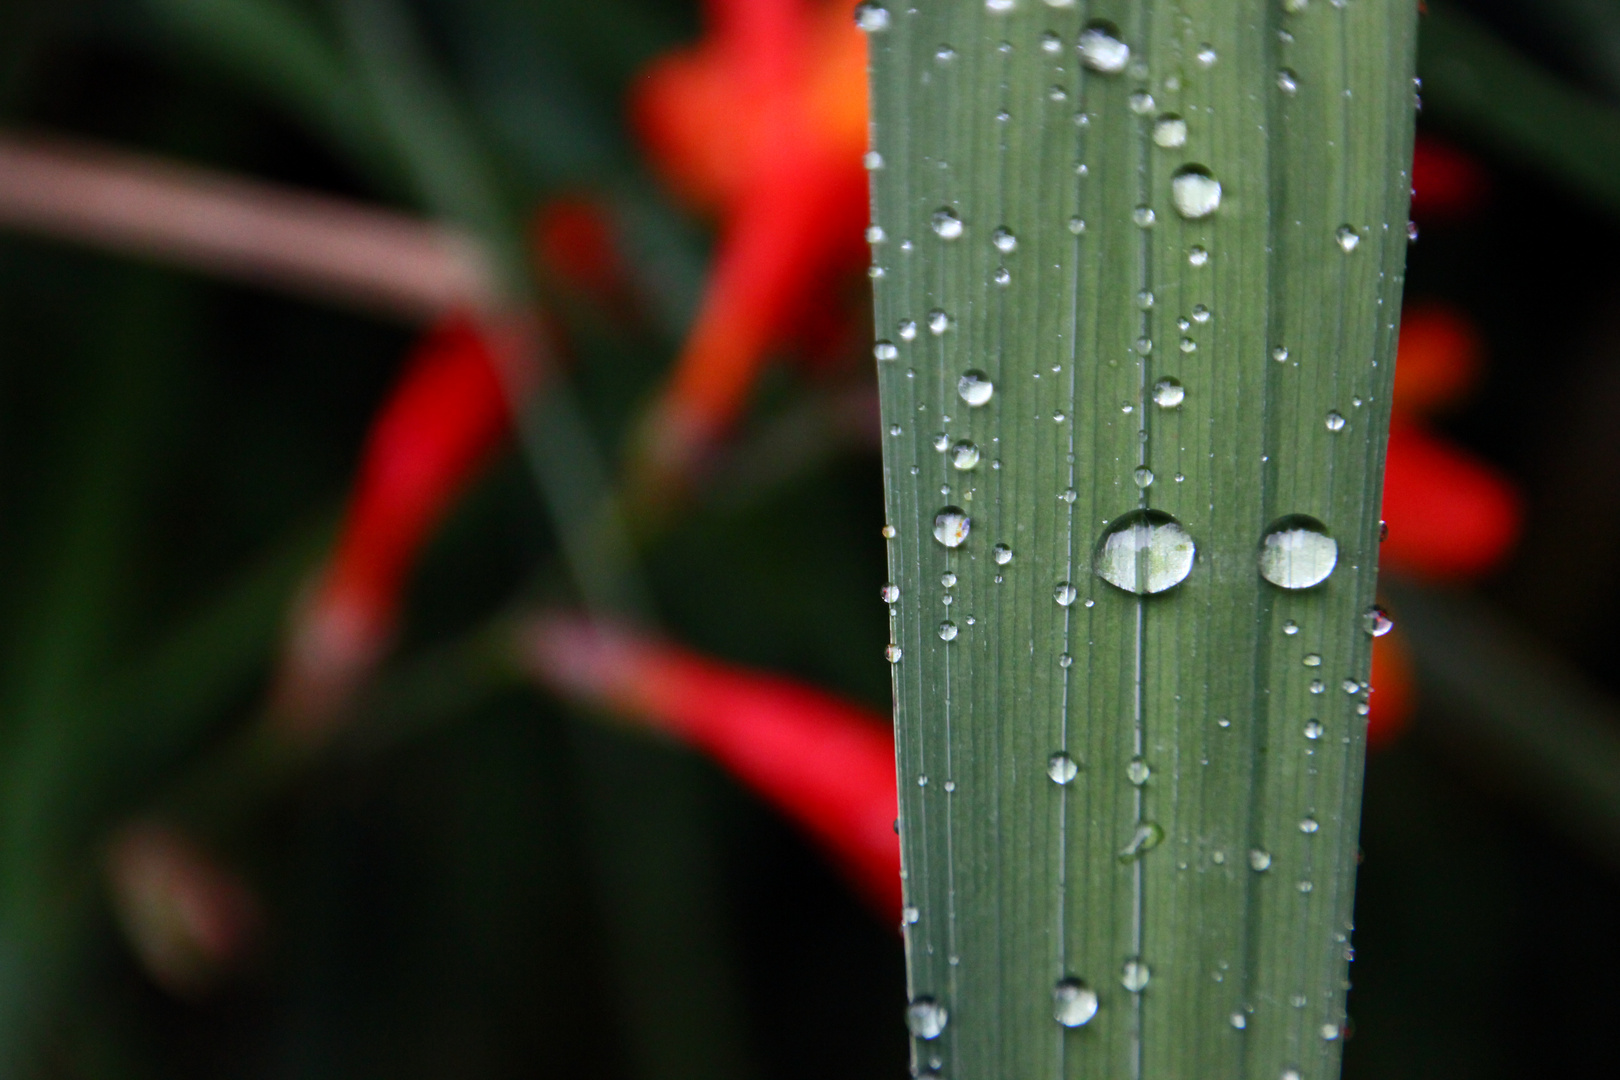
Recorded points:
(574,242)
(1391,704)
(444,417)
(1449,514)
(1440,354)
(189,920)
(826,764)
(1446,183)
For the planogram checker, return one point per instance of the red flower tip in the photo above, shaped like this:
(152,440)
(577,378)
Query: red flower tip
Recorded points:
(1440,354)
(575,244)
(1449,514)
(826,764)
(1446,183)
(445,415)
(188,919)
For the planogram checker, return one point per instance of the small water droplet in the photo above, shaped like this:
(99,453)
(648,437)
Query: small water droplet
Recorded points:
(945,223)
(1005,241)
(872,160)
(1141,102)
(1195,192)
(886,350)
(1197,256)
(1065,661)
(942,442)
(1335,420)
(1138,772)
(938,322)
(964,455)
(1144,216)
(1290,626)
(1168,393)
(1148,835)
(1068,495)
(874,234)
(1279,354)
(1305,887)
(999,7)
(951,526)
(1347,237)
(1308,825)
(975,388)
(1102,50)
(1313,729)
(1317,686)
(1073,1003)
(1206,56)
(1238,1020)
(1350,686)
(1144,345)
(1002,554)
(1287,82)
(1135,975)
(910,915)
(890,593)
(1200,313)
(872,18)
(1143,476)
(944,54)
(1170,131)
(908,330)
(1077,225)
(926,1018)
(1312,659)
(947,631)
(1065,594)
(1051,43)
(888,532)
(1002,276)
(1062,768)
(892,653)
(1259,861)
(1297,552)
(1145,300)
(1411,232)
(1188,345)
(1144,551)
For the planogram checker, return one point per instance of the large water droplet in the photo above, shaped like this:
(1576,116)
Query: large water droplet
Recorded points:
(1168,393)
(947,631)
(1170,131)
(1065,594)
(871,17)
(946,224)
(951,526)
(886,350)
(1005,241)
(975,388)
(1102,50)
(1002,554)
(1135,975)
(926,1018)
(1297,552)
(1347,237)
(1061,768)
(1195,192)
(964,455)
(1073,1002)
(1376,621)
(1144,551)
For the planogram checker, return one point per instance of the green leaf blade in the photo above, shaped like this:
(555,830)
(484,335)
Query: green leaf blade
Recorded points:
(1018,881)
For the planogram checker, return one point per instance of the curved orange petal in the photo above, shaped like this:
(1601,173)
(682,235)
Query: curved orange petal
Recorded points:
(1440,354)
(827,764)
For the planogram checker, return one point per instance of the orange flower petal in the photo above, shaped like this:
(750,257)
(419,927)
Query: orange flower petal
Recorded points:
(1440,354)
(826,764)
(1446,183)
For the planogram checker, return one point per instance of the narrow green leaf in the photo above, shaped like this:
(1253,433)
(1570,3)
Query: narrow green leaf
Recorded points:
(1189,858)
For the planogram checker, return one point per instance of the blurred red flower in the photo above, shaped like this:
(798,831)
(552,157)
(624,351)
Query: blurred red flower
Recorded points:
(445,415)
(825,763)
(762,123)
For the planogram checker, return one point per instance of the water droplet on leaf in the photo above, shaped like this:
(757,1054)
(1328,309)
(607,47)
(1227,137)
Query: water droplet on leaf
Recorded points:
(1144,551)
(951,526)
(1168,393)
(1061,768)
(1073,1002)
(975,388)
(926,1018)
(1195,192)
(946,224)
(964,455)
(1297,552)
(1170,131)
(1102,50)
